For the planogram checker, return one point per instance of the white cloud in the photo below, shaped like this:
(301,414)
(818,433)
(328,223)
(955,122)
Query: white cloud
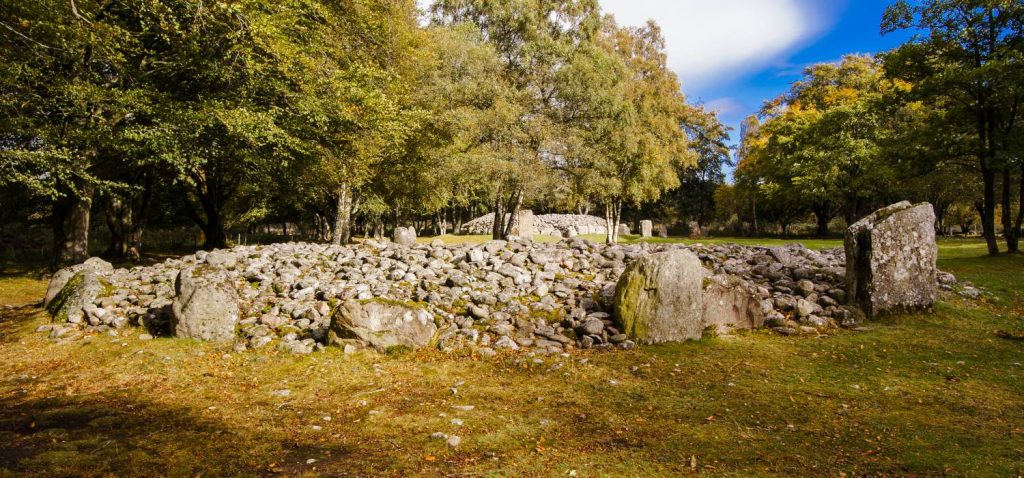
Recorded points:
(709,39)
(726,106)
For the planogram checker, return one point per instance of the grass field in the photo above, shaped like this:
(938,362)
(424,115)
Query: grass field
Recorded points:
(916,395)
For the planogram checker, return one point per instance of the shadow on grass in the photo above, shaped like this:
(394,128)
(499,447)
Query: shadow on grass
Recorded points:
(115,434)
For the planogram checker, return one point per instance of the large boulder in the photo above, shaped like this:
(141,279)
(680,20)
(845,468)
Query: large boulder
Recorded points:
(381,325)
(405,236)
(890,259)
(206,305)
(79,291)
(731,304)
(61,277)
(658,298)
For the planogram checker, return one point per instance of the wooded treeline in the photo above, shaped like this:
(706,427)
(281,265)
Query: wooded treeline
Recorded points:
(340,115)
(355,116)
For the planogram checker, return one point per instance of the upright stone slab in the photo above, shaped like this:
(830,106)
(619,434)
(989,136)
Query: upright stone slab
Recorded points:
(525,225)
(659,298)
(405,236)
(205,306)
(890,259)
(646,228)
(624,230)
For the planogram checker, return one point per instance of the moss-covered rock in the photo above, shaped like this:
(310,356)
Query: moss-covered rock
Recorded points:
(79,290)
(61,277)
(658,298)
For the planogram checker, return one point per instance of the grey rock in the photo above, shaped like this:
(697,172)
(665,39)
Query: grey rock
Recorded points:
(405,236)
(891,258)
(205,306)
(78,293)
(658,298)
(381,325)
(61,277)
(731,304)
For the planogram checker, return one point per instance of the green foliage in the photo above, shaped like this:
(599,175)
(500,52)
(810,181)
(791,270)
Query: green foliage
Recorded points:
(967,67)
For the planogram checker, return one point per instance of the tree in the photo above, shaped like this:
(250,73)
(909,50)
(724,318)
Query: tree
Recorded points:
(821,142)
(69,79)
(638,146)
(534,40)
(967,64)
(708,137)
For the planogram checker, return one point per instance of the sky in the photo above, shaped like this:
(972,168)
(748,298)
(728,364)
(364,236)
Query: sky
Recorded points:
(733,55)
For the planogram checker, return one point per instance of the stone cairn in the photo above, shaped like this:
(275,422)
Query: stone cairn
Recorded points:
(498,295)
(556,225)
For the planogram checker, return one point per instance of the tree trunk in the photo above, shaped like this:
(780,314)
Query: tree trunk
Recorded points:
(987,210)
(343,219)
(498,225)
(1011,221)
(126,221)
(515,203)
(822,224)
(1014,230)
(118,216)
(612,216)
(71,227)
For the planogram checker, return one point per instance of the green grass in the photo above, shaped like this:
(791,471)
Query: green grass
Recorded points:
(915,395)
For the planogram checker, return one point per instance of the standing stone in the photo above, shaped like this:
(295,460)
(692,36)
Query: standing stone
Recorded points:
(206,305)
(405,236)
(381,325)
(525,225)
(60,278)
(646,228)
(662,231)
(890,259)
(695,229)
(658,298)
(79,291)
(623,230)
(731,304)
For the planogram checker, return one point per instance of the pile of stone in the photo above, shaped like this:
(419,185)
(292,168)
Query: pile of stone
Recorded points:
(557,225)
(499,295)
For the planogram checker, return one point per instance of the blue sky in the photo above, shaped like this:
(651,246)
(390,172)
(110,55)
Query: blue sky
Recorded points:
(733,55)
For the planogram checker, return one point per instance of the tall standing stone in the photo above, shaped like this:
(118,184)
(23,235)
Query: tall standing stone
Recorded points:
(659,298)
(646,228)
(624,230)
(890,259)
(525,224)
